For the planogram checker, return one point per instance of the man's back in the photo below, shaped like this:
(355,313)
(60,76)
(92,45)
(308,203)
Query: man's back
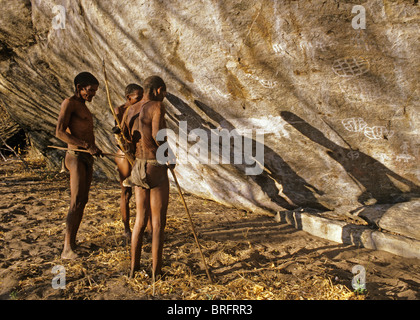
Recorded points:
(152,183)
(145,128)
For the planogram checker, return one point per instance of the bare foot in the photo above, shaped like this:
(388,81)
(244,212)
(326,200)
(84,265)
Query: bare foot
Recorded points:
(133,270)
(69,254)
(132,273)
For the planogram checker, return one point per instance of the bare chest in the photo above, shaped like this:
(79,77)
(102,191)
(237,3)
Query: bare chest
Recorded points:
(81,120)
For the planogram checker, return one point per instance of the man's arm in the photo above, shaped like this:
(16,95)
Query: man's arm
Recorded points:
(61,133)
(158,120)
(159,123)
(63,123)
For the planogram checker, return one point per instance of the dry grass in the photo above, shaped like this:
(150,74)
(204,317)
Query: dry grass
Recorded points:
(184,280)
(103,266)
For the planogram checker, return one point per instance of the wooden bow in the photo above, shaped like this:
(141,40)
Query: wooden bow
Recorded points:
(122,141)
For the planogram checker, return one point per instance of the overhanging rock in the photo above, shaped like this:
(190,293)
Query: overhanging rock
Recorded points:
(338,99)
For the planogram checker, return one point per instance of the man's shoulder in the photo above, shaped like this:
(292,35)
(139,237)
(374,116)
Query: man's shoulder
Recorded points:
(121,109)
(71,102)
(144,107)
(72,105)
(68,103)
(133,110)
(156,106)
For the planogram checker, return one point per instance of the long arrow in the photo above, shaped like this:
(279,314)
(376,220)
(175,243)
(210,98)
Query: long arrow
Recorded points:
(85,151)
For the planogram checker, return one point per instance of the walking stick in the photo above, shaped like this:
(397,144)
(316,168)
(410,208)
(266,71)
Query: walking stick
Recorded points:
(192,225)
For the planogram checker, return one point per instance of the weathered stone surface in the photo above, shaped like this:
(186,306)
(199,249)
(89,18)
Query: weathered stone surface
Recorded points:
(400,218)
(340,106)
(8,127)
(348,233)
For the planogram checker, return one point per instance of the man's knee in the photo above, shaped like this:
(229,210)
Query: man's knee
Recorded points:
(127,193)
(158,224)
(141,224)
(79,202)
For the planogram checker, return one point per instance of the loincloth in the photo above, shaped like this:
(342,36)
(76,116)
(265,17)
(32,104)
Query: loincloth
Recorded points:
(85,157)
(138,173)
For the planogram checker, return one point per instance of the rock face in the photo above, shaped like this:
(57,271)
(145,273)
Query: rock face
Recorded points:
(401,218)
(333,84)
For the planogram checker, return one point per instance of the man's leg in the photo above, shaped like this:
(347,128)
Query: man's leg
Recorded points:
(142,216)
(124,170)
(159,198)
(80,181)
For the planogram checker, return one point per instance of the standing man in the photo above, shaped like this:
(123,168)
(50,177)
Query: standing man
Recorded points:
(75,127)
(149,177)
(133,93)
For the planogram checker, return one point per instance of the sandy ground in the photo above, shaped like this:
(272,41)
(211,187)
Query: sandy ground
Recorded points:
(250,255)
